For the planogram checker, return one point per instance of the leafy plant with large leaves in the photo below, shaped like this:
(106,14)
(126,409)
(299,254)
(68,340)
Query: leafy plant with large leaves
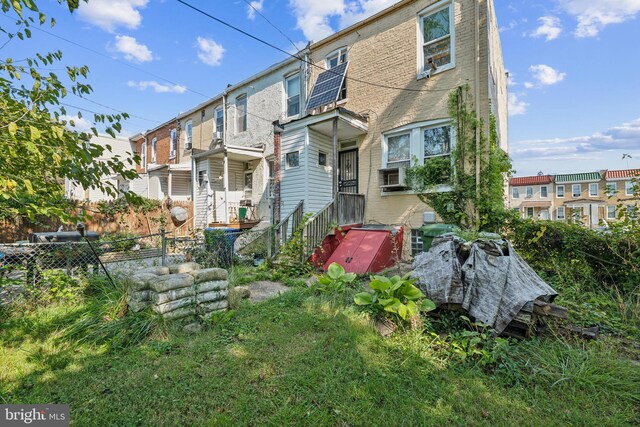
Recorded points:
(39,147)
(336,279)
(394,295)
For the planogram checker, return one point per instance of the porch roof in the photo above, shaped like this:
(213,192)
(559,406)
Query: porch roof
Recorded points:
(350,124)
(234,152)
(536,204)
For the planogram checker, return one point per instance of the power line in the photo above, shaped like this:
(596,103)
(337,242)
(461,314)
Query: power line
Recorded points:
(266,43)
(272,24)
(118,110)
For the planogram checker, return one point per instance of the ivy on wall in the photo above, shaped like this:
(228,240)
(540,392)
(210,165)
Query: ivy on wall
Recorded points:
(481,208)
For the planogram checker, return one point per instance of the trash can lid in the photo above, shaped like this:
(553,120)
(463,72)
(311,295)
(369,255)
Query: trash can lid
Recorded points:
(433,230)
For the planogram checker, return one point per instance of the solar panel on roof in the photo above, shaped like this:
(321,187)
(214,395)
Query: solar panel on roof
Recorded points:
(328,86)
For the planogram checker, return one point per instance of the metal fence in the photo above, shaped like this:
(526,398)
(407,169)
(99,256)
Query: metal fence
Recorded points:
(25,263)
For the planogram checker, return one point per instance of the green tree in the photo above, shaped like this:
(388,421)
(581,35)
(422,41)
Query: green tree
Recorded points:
(38,148)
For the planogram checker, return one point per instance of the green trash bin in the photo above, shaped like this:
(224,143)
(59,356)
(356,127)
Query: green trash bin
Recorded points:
(242,213)
(430,231)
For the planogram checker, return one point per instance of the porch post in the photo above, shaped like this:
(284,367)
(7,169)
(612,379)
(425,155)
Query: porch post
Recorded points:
(170,183)
(225,184)
(335,169)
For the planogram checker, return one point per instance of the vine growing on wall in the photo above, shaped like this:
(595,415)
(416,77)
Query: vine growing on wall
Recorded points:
(460,202)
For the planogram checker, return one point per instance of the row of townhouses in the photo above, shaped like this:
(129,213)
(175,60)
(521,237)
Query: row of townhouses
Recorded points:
(590,198)
(347,114)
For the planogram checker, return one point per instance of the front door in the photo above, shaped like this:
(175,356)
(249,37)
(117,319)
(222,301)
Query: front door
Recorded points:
(348,171)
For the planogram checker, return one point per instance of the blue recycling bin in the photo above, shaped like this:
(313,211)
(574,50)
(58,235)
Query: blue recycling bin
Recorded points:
(221,241)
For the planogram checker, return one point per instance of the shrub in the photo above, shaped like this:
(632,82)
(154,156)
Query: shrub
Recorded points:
(334,280)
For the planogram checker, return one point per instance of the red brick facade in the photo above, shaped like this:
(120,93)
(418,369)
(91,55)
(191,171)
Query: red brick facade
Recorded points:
(163,145)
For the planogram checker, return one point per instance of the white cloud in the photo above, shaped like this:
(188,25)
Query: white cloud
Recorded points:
(594,15)
(111,14)
(517,107)
(549,28)
(529,85)
(254,6)
(209,51)
(157,87)
(80,124)
(623,137)
(546,75)
(132,50)
(315,17)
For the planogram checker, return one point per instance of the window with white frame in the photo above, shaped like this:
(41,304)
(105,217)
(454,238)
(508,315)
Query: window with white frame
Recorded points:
(576,213)
(544,191)
(188,130)
(398,150)
(154,149)
(611,212)
(417,245)
(560,213)
(576,190)
(629,188)
(611,188)
(322,158)
(292,88)
(292,160)
(218,117)
(515,193)
(143,155)
(544,214)
(174,143)
(560,191)
(529,212)
(632,212)
(241,113)
(336,58)
(529,192)
(272,178)
(593,190)
(436,25)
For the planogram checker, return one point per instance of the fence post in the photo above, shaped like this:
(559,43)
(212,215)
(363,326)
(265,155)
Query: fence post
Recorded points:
(163,235)
(269,242)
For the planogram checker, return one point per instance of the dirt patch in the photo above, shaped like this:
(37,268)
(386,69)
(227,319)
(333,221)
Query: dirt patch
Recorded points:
(263,290)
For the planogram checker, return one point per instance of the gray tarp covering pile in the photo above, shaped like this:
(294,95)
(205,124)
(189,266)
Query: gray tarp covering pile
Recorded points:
(487,278)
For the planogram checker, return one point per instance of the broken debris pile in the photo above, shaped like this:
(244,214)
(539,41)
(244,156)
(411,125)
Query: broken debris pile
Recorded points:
(489,280)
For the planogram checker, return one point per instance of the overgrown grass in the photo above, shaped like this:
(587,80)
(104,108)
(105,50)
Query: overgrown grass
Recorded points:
(308,359)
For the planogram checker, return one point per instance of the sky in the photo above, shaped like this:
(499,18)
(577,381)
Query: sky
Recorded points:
(574,70)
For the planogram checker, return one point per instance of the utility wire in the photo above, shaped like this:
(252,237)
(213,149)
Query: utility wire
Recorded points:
(272,24)
(241,31)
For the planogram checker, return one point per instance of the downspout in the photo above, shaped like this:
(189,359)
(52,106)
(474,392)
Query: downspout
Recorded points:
(146,162)
(193,190)
(225,165)
(477,105)
(334,167)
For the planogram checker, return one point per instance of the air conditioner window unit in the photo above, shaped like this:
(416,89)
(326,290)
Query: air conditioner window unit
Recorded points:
(392,177)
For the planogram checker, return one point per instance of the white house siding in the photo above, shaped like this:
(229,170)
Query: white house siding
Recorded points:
(236,186)
(140,185)
(294,182)
(202,195)
(181,186)
(320,177)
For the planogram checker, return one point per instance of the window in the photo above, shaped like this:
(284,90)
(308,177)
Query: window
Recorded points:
(174,143)
(336,58)
(143,155)
(248,181)
(544,191)
(417,246)
(611,212)
(154,149)
(322,159)
(529,212)
(611,188)
(188,128)
(218,117)
(515,193)
(437,31)
(576,190)
(593,190)
(398,150)
(544,214)
(632,212)
(529,192)
(629,188)
(560,191)
(560,213)
(292,88)
(576,213)
(272,179)
(202,178)
(437,141)
(241,113)
(292,160)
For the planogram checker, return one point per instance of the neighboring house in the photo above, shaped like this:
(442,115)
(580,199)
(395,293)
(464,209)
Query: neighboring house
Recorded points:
(384,103)
(532,196)
(119,147)
(622,187)
(581,198)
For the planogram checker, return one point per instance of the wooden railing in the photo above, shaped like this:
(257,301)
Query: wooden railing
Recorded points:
(284,229)
(350,208)
(318,226)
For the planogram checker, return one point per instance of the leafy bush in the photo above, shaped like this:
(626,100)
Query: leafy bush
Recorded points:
(120,241)
(334,280)
(396,295)
(292,260)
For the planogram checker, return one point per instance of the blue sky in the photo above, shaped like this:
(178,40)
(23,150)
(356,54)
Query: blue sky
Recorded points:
(574,89)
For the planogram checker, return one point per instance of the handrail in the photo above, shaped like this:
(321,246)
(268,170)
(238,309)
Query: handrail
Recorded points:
(316,229)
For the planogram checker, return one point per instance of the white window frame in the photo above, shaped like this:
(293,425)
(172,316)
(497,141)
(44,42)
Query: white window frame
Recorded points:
(342,54)
(434,8)
(597,192)
(530,209)
(241,120)
(216,112)
(286,160)
(564,214)
(154,150)
(560,194)
(288,96)
(416,141)
(515,193)
(188,132)
(611,188)
(529,192)
(546,190)
(173,144)
(628,188)
(614,215)
(326,157)
(143,155)
(573,193)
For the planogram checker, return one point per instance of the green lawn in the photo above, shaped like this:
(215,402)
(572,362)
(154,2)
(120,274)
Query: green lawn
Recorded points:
(303,359)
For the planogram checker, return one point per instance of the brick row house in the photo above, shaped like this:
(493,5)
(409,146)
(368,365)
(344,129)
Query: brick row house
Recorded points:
(348,114)
(589,198)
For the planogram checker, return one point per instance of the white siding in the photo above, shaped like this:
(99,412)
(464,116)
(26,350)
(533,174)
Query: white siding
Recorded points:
(320,177)
(181,186)
(202,196)
(140,186)
(294,184)
(236,185)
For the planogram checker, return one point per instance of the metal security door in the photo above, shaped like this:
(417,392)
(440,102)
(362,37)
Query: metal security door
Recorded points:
(348,171)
